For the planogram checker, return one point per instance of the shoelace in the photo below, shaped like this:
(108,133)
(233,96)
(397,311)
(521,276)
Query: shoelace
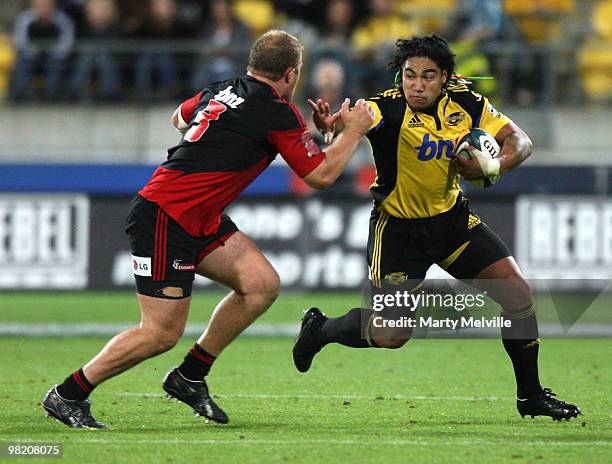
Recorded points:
(85,413)
(551,395)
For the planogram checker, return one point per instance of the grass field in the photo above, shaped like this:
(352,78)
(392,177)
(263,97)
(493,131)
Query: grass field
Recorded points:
(432,401)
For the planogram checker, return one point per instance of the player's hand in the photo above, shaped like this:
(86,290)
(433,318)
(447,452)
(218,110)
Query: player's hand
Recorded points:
(323,118)
(480,165)
(359,118)
(469,169)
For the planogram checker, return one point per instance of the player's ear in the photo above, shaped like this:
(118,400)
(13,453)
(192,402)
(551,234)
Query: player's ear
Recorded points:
(287,74)
(444,77)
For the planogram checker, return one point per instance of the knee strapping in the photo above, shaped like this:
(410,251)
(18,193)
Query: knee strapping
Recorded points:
(521,313)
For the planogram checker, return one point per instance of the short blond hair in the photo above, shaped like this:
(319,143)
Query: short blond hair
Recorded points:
(273,53)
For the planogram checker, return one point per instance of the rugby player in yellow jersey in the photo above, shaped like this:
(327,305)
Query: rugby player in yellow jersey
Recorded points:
(420,216)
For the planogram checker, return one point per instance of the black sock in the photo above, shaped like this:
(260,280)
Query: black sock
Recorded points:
(75,387)
(197,363)
(348,330)
(522,343)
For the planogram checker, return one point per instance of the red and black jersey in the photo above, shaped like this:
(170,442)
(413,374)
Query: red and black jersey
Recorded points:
(235,129)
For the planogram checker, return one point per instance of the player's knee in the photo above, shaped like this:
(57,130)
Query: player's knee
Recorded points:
(271,285)
(511,290)
(390,337)
(167,341)
(392,343)
(163,339)
(524,290)
(519,292)
(265,287)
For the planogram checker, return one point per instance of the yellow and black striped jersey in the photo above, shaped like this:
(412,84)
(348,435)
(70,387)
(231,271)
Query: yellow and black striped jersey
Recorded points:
(412,150)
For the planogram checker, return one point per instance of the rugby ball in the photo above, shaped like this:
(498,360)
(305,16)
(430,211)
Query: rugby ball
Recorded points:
(485,143)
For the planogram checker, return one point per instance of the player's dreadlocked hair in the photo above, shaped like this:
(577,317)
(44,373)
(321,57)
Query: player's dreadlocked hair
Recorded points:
(273,53)
(431,46)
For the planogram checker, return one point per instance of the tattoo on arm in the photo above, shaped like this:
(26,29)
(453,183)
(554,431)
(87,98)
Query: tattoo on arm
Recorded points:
(516,148)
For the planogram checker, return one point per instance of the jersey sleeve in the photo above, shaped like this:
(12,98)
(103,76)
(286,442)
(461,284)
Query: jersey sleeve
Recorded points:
(187,108)
(378,117)
(481,111)
(295,143)
(492,120)
(385,106)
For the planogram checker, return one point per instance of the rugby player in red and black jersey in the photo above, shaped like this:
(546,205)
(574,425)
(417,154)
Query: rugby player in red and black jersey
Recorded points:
(232,131)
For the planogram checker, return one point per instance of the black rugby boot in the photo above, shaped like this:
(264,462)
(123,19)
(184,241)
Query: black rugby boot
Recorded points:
(307,346)
(544,403)
(195,394)
(73,413)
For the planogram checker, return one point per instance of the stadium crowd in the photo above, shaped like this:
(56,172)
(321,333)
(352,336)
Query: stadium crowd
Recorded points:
(152,50)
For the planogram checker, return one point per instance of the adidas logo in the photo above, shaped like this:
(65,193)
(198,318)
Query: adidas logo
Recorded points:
(473,221)
(415,122)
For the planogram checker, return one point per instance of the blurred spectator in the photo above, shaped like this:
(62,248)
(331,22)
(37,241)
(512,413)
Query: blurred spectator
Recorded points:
(431,15)
(191,12)
(299,18)
(474,29)
(75,9)
(334,39)
(540,21)
(595,58)
(540,25)
(7,60)
(305,11)
(258,15)
(133,16)
(225,49)
(472,62)
(373,42)
(338,23)
(95,54)
(158,65)
(328,82)
(43,38)
(480,21)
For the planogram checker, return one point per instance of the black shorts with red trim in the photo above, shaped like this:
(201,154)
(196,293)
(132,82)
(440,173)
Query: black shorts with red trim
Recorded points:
(402,250)
(164,255)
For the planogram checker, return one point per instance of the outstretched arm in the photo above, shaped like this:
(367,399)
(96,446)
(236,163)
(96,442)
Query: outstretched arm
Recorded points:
(357,121)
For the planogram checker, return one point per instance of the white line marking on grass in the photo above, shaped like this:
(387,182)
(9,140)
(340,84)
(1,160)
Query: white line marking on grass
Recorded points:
(270,330)
(292,442)
(96,329)
(330,397)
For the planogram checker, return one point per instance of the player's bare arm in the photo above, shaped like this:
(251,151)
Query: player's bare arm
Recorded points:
(357,121)
(515,145)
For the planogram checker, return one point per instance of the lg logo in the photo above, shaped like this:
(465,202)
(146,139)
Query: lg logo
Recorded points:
(142,266)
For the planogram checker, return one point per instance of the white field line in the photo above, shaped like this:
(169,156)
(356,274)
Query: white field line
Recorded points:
(328,397)
(89,329)
(369,443)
